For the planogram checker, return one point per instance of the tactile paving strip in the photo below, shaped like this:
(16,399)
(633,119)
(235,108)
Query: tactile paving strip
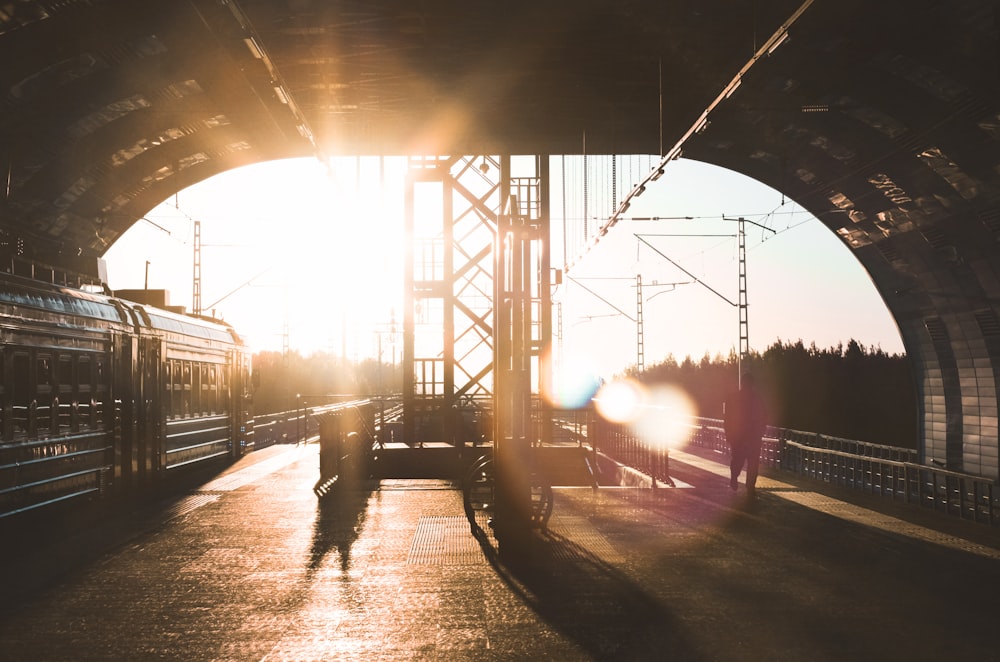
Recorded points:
(444,541)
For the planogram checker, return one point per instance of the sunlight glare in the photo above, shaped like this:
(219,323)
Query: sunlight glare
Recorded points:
(665,419)
(661,415)
(618,401)
(298,246)
(572,387)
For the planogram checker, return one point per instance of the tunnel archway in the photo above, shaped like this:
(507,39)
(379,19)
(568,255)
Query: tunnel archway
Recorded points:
(883,120)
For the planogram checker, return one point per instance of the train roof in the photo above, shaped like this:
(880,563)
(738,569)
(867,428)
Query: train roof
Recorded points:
(40,295)
(18,291)
(165,320)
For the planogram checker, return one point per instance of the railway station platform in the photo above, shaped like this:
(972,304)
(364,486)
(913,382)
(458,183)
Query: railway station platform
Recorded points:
(251,565)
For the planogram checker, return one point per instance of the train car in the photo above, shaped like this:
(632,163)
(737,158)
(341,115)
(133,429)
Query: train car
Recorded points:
(100,396)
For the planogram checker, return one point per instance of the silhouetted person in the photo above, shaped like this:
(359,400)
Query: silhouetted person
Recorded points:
(746,418)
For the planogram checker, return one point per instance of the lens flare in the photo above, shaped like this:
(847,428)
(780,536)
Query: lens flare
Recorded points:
(618,401)
(666,418)
(660,415)
(572,387)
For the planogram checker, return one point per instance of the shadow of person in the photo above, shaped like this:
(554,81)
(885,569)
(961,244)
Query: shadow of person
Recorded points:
(340,517)
(593,603)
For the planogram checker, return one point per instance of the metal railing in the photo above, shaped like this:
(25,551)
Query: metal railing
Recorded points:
(302,424)
(278,428)
(619,442)
(887,471)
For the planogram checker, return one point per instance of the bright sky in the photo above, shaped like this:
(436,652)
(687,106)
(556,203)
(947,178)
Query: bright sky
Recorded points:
(291,245)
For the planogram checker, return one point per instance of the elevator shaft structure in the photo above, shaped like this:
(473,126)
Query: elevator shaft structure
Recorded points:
(451,216)
(477,323)
(455,210)
(523,333)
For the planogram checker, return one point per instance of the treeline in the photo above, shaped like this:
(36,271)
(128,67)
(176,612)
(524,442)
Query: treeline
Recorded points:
(286,379)
(845,391)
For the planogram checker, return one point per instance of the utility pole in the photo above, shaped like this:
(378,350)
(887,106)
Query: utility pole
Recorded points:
(196,295)
(640,350)
(744,321)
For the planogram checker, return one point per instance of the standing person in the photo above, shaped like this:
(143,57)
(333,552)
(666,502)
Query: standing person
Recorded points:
(745,420)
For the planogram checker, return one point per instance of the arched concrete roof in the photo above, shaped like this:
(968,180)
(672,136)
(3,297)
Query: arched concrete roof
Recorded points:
(882,118)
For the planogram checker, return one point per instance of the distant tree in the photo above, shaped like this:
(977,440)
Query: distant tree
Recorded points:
(285,380)
(847,390)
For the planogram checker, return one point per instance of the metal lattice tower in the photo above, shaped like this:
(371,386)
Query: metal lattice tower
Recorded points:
(448,315)
(744,322)
(196,294)
(468,256)
(639,346)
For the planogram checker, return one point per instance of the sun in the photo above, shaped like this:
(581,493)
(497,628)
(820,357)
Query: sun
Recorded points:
(296,253)
(339,252)
(344,266)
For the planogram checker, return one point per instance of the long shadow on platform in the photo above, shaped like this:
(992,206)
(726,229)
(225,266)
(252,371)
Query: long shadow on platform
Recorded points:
(589,601)
(340,516)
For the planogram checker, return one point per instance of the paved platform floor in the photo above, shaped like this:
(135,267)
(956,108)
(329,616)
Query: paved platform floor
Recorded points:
(253,566)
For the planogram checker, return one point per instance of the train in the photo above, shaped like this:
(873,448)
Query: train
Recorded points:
(102,397)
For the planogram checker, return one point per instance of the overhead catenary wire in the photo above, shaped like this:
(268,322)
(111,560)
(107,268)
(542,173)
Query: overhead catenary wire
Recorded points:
(620,311)
(777,38)
(686,272)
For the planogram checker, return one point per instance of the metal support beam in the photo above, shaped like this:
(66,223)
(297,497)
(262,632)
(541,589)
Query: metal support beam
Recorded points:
(451,210)
(477,323)
(523,333)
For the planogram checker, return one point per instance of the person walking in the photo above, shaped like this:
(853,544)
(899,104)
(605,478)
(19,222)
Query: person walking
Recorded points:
(745,420)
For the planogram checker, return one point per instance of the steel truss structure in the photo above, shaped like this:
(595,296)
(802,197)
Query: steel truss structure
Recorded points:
(459,211)
(477,324)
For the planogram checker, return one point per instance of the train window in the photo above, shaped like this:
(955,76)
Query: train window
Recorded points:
(223,391)
(100,393)
(44,372)
(201,381)
(211,392)
(64,372)
(186,387)
(43,392)
(85,375)
(20,392)
(196,382)
(178,390)
(100,378)
(177,407)
(220,398)
(167,389)
(66,393)
(170,377)
(85,378)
